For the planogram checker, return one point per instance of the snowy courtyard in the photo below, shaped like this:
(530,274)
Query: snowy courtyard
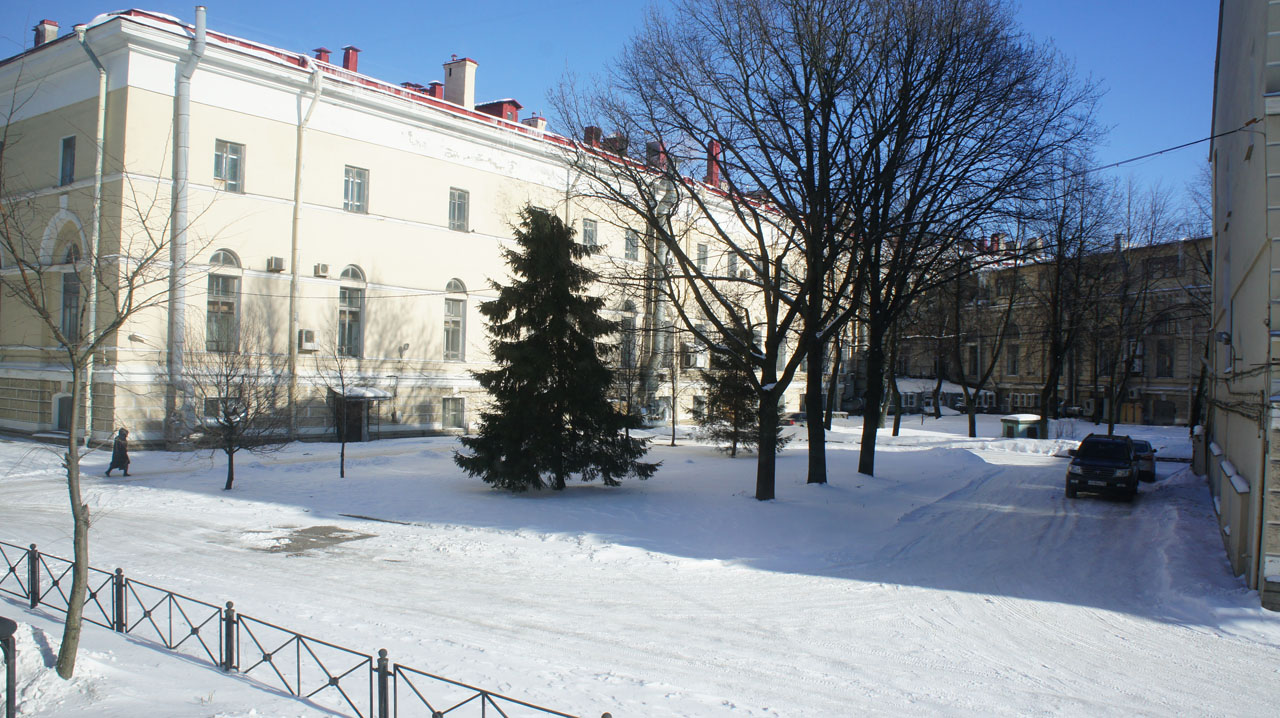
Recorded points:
(957,581)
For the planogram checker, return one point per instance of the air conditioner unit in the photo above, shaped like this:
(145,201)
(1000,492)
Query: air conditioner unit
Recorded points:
(306,340)
(321,270)
(275,264)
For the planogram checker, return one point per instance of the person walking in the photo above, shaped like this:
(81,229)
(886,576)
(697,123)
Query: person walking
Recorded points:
(120,453)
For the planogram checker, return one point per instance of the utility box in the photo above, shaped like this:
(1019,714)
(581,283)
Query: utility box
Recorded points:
(1020,426)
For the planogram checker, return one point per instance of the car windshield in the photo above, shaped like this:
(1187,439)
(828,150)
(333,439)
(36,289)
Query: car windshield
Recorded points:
(1105,450)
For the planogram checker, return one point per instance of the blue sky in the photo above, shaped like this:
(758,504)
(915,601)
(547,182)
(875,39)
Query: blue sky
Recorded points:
(1154,57)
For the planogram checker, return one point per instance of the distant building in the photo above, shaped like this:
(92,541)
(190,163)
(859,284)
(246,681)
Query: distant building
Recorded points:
(1242,432)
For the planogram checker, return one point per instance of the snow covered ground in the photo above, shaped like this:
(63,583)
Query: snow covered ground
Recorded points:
(958,581)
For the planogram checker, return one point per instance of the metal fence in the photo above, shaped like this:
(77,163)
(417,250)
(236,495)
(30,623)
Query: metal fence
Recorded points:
(330,676)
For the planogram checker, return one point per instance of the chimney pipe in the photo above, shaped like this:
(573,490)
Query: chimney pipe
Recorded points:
(592,135)
(713,163)
(536,122)
(616,144)
(350,57)
(322,54)
(460,82)
(655,155)
(46,32)
(435,89)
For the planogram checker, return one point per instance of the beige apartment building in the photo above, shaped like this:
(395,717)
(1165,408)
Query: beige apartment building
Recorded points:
(1241,439)
(348,219)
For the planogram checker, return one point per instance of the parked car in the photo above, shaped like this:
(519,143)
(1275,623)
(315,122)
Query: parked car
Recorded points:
(1146,459)
(1104,464)
(793,419)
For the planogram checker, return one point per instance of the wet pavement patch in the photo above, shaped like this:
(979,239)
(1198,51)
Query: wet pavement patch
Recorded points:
(300,540)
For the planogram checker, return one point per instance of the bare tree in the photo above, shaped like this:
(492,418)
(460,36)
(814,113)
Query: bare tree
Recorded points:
(338,374)
(850,143)
(79,293)
(240,392)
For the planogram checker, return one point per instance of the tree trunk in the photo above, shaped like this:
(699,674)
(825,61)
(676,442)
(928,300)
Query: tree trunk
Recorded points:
(895,396)
(231,466)
(937,393)
(813,413)
(767,446)
(873,412)
(80,537)
(833,396)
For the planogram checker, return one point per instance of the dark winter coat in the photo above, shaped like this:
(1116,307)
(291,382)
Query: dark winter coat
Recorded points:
(120,454)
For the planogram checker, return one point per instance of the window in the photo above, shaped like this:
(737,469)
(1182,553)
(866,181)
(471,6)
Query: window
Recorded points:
(452,410)
(1011,359)
(70,326)
(627,358)
(459,207)
(67,168)
(1136,348)
(221,333)
(973,360)
(702,257)
(632,249)
(1164,358)
(355,189)
(351,313)
(455,322)
(589,232)
(733,265)
(228,165)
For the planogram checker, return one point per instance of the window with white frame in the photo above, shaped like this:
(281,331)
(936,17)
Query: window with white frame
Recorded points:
(222,317)
(67,162)
(702,257)
(589,232)
(351,312)
(455,321)
(627,357)
(631,250)
(459,209)
(1164,358)
(733,265)
(355,189)
(452,412)
(228,165)
(71,307)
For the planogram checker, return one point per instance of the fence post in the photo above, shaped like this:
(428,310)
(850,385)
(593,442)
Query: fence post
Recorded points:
(229,638)
(33,576)
(384,697)
(10,649)
(117,586)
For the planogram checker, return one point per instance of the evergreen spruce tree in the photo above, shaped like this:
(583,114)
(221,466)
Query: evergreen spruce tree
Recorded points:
(550,417)
(730,417)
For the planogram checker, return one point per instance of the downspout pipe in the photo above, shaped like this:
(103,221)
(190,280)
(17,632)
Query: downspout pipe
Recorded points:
(178,227)
(294,277)
(95,230)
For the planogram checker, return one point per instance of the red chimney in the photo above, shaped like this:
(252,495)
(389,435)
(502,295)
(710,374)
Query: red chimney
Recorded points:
(713,163)
(350,57)
(322,54)
(655,154)
(592,135)
(46,31)
(435,89)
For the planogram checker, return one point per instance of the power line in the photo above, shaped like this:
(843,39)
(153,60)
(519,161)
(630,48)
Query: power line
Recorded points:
(1157,153)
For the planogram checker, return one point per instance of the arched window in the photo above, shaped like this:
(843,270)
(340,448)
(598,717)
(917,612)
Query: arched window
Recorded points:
(1013,350)
(455,321)
(71,305)
(222,317)
(351,312)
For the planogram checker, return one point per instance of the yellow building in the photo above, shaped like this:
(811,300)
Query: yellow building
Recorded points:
(353,221)
(1242,436)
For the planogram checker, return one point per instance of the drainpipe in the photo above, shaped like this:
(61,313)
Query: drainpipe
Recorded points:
(95,231)
(292,337)
(178,226)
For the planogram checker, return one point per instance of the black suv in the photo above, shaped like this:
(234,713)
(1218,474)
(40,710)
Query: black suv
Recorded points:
(1104,464)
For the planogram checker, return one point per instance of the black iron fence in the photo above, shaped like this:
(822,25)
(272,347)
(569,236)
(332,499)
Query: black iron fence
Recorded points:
(335,678)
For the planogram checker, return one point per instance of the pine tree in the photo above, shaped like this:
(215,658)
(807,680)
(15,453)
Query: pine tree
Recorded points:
(550,417)
(730,417)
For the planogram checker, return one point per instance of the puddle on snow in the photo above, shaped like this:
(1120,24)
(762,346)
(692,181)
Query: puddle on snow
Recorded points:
(295,541)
